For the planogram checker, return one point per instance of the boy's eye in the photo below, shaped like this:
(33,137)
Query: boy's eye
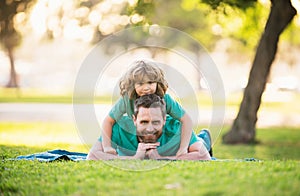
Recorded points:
(142,83)
(151,82)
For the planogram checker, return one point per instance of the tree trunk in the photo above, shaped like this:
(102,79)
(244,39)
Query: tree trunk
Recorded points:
(243,128)
(12,83)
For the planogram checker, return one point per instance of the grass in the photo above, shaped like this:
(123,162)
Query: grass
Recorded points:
(176,178)
(276,174)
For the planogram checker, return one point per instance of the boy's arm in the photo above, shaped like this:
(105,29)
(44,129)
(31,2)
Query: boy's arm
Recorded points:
(186,133)
(107,125)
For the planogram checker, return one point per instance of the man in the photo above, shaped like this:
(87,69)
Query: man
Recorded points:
(153,135)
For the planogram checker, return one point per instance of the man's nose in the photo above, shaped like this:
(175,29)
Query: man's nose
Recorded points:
(150,129)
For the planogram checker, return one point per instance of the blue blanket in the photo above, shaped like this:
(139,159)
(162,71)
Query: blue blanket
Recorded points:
(54,155)
(59,155)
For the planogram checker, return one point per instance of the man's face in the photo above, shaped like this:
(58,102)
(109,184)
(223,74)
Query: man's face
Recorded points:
(149,124)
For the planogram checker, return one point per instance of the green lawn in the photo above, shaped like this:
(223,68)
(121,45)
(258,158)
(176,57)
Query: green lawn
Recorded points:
(277,172)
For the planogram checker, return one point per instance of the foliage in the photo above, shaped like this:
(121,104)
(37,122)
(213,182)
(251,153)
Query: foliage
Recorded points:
(9,36)
(245,26)
(210,21)
(233,3)
(143,8)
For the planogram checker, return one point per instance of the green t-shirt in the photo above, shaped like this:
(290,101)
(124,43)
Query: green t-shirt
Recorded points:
(125,106)
(124,137)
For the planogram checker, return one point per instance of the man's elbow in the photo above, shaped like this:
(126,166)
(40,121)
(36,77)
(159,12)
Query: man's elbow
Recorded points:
(203,155)
(91,156)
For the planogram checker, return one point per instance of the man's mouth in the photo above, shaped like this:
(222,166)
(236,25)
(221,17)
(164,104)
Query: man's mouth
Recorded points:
(148,138)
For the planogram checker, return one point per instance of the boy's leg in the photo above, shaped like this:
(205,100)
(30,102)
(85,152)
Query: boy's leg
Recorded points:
(205,135)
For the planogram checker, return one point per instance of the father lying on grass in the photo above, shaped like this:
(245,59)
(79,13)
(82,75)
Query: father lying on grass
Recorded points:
(154,135)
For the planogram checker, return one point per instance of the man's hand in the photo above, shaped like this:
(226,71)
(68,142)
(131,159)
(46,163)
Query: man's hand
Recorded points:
(153,154)
(143,148)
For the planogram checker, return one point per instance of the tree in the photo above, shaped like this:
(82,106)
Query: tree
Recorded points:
(281,14)
(9,36)
(243,128)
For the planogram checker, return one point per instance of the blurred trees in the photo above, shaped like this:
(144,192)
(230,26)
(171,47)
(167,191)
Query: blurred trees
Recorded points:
(82,20)
(10,11)
(207,21)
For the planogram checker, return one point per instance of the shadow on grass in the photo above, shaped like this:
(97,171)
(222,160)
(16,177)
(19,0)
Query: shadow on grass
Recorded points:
(274,143)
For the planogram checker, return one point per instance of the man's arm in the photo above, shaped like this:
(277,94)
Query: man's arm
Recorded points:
(196,151)
(97,153)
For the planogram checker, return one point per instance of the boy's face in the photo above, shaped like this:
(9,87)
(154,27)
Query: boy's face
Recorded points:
(149,124)
(145,87)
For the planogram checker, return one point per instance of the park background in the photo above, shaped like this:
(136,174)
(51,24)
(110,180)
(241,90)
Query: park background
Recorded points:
(56,38)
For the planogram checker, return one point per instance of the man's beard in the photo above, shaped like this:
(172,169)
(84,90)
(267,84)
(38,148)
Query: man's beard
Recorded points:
(149,138)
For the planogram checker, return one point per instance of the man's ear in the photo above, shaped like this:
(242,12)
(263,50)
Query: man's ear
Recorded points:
(165,119)
(134,119)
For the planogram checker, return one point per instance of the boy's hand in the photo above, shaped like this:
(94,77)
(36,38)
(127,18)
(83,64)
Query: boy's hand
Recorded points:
(181,152)
(110,150)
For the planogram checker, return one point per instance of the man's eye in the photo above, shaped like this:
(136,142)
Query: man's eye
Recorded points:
(156,123)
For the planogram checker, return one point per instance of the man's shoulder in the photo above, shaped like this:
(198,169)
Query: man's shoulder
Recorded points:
(172,125)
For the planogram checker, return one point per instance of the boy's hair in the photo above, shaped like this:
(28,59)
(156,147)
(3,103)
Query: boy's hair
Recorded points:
(136,74)
(150,101)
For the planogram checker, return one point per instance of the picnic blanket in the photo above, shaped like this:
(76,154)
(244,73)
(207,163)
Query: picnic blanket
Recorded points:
(54,155)
(64,155)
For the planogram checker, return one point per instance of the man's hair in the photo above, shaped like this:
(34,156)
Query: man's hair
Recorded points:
(150,101)
(139,70)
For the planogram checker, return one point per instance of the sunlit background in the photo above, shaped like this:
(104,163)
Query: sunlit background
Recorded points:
(58,35)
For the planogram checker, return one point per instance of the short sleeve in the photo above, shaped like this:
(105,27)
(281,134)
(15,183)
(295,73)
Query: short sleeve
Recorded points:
(173,108)
(123,106)
(118,109)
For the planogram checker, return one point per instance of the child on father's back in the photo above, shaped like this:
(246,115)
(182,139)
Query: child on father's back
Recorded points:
(144,77)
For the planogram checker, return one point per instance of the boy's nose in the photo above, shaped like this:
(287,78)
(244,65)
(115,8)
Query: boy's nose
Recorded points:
(146,86)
